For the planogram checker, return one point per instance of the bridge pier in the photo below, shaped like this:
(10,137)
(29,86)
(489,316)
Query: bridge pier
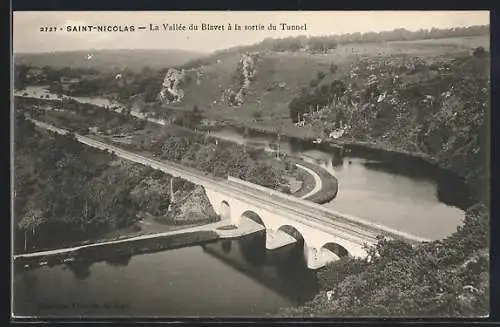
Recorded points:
(328,238)
(277,239)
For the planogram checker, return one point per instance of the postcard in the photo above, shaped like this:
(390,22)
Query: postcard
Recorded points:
(250,164)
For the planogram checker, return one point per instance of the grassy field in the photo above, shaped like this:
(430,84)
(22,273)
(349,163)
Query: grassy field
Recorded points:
(295,71)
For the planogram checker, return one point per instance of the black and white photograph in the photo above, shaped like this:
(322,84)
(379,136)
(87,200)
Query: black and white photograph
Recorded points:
(246,164)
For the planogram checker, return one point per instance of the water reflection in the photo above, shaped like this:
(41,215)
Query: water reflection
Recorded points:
(165,281)
(80,269)
(29,279)
(449,189)
(283,270)
(390,189)
(337,161)
(226,246)
(252,250)
(119,260)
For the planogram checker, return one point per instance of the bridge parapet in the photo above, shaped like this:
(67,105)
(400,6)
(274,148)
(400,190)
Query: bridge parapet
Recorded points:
(330,214)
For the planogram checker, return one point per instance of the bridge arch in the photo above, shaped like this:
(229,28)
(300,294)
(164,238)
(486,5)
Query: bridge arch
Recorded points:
(332,251)
(255,217)
(293,232)
(225,210)
(300,248)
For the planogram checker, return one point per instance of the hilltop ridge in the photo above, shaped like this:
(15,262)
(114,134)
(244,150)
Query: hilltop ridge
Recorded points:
(105,60)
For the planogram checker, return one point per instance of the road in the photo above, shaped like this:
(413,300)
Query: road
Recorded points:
(317,181)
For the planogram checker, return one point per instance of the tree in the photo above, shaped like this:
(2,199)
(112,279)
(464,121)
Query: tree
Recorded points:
(192,118)
(175,148)
(128,109)
(337,89)
(479,52)
(146,70)
(29,223)
(257,115)
(265,175)
(151,93)
(20,77)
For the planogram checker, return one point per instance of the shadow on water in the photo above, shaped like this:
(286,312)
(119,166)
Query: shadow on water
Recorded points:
(283,270)
(226,246)
(119,260)
(80,269)
(252,250)
(450,189)
(117,255)
(337,160)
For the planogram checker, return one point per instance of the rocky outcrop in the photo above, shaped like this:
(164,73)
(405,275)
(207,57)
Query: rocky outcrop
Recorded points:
(195,207)
(246,73)
(171,91)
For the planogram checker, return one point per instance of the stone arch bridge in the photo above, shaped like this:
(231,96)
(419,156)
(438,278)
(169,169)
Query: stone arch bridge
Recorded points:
(326,235)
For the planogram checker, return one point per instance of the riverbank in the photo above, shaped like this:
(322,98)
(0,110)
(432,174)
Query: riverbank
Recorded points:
(328,188)
(377,151)
(129,245)
(381,150)
(147,225)
(303,134)
(308,180)
(119,248)
(308,183)
(133,199)
(364,287)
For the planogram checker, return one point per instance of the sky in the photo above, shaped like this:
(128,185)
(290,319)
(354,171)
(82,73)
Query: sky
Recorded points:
(27,36)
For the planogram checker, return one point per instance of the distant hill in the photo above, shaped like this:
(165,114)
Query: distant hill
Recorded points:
(280,76)
(108,59)
(325,44)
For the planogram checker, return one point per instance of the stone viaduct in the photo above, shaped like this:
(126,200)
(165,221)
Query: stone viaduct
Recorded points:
(326,235)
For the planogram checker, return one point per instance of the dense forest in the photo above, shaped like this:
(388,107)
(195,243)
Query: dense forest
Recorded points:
(66,192)
(437,108)
(171,142)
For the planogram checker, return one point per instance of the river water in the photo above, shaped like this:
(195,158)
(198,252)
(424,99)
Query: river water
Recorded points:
(222,278)
(401,193)
(240,277)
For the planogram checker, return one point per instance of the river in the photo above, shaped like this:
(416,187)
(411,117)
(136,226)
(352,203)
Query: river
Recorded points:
(222,278)
(400,193)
